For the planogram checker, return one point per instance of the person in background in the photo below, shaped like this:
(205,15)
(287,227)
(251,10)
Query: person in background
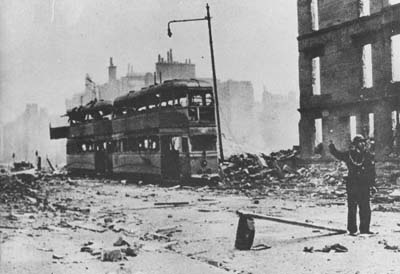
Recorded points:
(360,181)
(38,161)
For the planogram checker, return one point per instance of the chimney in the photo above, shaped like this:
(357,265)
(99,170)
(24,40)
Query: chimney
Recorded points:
(170,55)
(112,71)
(159,58)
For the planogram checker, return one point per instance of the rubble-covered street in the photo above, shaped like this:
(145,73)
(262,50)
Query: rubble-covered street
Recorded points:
(58,224)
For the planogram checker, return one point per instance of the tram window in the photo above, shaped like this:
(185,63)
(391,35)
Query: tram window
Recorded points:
(193,116)
(164,104)
(124,145)
(132,144)
(185,144)
(196,100)
(209,99)
(84,148)
(176,143)
(183,101)
(203,142)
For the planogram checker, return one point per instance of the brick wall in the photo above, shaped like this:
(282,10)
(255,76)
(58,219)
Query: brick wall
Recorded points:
(339,43)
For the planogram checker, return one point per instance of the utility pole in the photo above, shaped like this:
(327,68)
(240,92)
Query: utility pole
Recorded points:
(208,18)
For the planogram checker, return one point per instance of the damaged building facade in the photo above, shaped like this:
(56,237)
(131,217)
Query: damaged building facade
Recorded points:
(349,71)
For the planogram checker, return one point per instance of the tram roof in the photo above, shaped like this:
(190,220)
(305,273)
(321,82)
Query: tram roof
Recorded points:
(167,90)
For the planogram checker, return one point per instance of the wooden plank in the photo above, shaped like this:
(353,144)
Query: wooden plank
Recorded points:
(172,203)
(290,222)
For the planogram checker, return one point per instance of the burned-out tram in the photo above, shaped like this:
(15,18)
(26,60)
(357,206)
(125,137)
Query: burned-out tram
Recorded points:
(164,132)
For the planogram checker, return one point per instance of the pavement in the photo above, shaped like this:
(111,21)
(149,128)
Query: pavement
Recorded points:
(194,237)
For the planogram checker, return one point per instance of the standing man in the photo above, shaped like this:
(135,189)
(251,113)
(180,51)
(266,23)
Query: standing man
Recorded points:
(361,179)
(38,161)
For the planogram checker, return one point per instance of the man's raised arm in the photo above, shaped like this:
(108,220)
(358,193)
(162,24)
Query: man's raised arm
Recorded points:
(342,156)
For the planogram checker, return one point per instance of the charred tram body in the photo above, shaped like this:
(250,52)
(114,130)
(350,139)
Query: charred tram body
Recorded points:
(165,132)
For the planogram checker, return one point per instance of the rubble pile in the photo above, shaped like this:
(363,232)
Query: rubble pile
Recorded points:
(18,166)
(280,171)
(19,187)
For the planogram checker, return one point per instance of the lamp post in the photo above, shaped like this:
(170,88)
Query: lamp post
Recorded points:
(208,18)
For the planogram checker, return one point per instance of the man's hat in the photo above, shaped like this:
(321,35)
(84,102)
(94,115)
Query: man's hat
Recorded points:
(358,138)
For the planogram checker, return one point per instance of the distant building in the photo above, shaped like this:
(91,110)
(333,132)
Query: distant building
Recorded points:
(113,88)
(165,70)
(240,128)
(170,69)
(28,133)
(1,126)
(278,119)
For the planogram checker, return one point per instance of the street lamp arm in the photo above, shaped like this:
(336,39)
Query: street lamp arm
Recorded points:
(184,20)
(187,20)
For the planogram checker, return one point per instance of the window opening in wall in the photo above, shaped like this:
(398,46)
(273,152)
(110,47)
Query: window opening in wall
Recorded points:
(316,76)
(318,131)
(353,127)
(364,7)
(395,45)
(314,15)
(396,130)
(395,119)
(393,2)
(371,125)
(367,66)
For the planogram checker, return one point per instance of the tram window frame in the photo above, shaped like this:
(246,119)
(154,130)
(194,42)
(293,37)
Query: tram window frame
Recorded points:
(185,144)
(132,144)
(198,145)
(209,99)
(196,100)
(184,101)
(154,143)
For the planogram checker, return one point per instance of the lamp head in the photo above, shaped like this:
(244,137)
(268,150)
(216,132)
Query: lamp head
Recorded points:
(169,32)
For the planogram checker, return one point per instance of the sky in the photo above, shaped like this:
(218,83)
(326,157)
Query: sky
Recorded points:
(48,46)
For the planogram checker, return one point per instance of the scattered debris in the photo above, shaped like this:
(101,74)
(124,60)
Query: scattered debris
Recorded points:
(57,257)
(120,242)
(335,247)
(308,249)
(130,252)
(395,248)
(111,256)
(260,247)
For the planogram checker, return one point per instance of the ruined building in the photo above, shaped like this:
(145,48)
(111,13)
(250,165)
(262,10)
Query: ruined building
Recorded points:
(170,69)
(349,68)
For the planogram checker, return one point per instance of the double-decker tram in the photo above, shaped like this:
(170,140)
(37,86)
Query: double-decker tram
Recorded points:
(164,132)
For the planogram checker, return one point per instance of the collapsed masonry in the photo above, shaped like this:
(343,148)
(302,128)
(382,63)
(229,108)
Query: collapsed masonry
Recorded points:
(349,68)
